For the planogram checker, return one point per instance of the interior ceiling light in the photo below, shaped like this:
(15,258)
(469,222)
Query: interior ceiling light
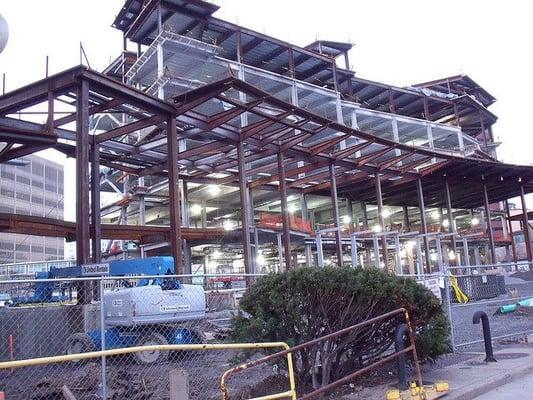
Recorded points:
(228,225)
(475,221)
(196,209)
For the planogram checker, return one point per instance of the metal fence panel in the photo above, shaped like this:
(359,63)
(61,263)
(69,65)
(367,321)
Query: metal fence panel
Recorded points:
(44,320)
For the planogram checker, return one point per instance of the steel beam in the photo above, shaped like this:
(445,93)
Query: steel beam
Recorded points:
(96,226)
(336,219)
(381,219)
(423,222)
(451,221)
(489,224)
(82,173)
(284,212)
(525,223)
(174,194)
(245,207)
(513,245)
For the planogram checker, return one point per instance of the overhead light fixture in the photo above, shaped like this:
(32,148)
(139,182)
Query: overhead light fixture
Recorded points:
(196,209)
(446,223)
(346,219)
(435,215)
(475,221)
(228,225)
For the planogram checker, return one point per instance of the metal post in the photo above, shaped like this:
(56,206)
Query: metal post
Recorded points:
(419,262)
(406,222)
(284,211)
(82,185)
(513,245)
(365,226)
(82,173)
(245,215)
(174,194)
(336,220)
(448,300)
(376,252)
(102,340)
(319,253)
(280,251)
(96,228)
(525,222)
(308,256)
(398,255)
(440,262)
(489,224)
(482,316)
(381,219)
(451,221)
(353,250)
(399,345)
(423,222)
(466,261)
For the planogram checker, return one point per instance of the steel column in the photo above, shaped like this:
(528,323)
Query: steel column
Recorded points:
(284,212)
(82,173)
(423,221)
(336,219)
(525,223)
(381,220)
(451,221)
(245,206)
(174,194)
(489,224)
(96,228)
(353,250)
(513,245)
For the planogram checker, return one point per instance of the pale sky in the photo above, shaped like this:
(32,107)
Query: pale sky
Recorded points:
(396,42)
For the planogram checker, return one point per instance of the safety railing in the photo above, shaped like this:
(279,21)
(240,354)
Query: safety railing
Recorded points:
(102,354)
(318,341)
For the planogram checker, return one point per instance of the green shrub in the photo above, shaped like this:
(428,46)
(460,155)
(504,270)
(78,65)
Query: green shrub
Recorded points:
(304,304)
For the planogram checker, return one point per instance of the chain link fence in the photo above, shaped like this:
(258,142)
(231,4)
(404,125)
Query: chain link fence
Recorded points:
(41,318)
(488,288)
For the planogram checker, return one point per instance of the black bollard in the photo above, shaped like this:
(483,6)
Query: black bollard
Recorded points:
(399,345)
(481,315)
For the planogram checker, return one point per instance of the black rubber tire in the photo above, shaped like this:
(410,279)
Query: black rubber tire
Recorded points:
(151,357)
(80,343)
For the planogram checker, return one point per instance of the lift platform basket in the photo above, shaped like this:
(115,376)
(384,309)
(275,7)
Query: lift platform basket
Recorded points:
(152,305)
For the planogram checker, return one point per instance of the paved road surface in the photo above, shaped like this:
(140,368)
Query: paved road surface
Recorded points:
(519,389)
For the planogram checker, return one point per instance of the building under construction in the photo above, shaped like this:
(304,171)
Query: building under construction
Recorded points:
(235,151)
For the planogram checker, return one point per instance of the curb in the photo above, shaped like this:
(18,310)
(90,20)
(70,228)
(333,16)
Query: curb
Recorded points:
(472,393)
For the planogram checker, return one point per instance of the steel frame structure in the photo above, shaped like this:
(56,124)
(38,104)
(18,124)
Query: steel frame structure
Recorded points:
(234,133)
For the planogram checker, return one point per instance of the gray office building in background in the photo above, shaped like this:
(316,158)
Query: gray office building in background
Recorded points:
(32,186)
